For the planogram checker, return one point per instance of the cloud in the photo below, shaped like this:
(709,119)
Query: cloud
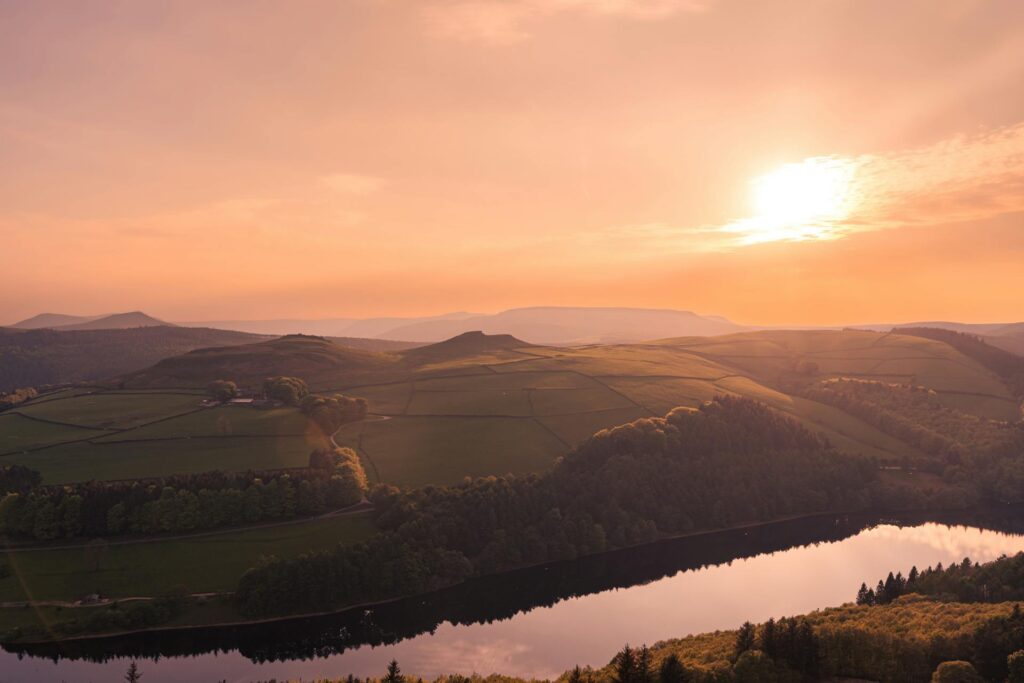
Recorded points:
(502,22)
(352,183)
(960,179)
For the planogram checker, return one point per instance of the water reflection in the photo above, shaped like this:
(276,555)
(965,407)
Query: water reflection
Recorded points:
(539,622)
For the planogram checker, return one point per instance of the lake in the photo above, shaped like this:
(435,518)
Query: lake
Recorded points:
(541,621)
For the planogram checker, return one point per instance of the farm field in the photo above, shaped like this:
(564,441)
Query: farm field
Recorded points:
(85,461)
(130,434)
(19,433)
(208,563)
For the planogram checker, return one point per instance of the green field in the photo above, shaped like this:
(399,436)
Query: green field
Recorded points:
(150,433)
(19,433)
(416,451)
(113,410)
(210,563)
(221,421)
(86,461)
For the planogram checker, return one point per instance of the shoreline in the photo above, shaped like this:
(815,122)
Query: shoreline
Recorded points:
(881,516)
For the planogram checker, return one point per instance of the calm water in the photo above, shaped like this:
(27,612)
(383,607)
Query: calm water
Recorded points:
(540,622)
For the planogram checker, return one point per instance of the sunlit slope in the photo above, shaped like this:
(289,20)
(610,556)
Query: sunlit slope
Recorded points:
(479,405)
(516,409)
(772,356)
(319,361)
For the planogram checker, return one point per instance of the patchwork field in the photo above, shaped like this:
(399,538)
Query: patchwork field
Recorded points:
(107,435)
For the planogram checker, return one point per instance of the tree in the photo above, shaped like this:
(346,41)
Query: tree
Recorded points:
(745,639)
(754,666)
(133,675)
(956,672)
(865,596)
(643,665)
(625,666)
(289,390)
(222,390)
(1015,664)
(671,670)
(394,674)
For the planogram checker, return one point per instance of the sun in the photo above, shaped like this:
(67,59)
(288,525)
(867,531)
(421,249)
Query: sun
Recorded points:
(799,201)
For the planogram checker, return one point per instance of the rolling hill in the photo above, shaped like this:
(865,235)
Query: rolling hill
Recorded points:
(44,356)
(118,321)
(52,320)
(478,404)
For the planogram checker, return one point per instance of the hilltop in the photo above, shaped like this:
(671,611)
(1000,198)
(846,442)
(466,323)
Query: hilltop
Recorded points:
(568,325)
(52,320)
(118,321)
(316,359)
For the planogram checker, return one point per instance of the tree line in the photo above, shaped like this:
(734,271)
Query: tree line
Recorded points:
(734,460)
(182,503)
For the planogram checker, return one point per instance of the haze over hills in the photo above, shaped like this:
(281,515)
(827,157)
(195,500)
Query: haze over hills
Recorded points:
(51,320)
(326,327)
(537,325)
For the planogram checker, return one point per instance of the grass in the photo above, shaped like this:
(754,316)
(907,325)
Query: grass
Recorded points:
(115,410)
(19,433)
(416,451)
(221,421)
(129,460)
(210,563)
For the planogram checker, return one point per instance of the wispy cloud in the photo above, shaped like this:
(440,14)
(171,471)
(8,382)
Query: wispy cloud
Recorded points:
(964,178)
(501,22)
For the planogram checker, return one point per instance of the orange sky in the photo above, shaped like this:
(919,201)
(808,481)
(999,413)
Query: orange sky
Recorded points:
(335,158)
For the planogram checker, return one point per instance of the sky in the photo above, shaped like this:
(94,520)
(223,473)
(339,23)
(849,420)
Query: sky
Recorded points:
(815,162)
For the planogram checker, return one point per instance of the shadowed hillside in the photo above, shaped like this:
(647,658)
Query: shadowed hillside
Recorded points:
(43,356)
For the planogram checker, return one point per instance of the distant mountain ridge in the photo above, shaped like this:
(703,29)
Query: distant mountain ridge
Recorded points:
(51,320)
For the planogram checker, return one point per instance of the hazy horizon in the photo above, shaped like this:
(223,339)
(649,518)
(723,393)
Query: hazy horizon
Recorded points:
(773,163)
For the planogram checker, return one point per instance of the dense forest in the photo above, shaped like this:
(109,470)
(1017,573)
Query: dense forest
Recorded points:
(334,479)
(732,461)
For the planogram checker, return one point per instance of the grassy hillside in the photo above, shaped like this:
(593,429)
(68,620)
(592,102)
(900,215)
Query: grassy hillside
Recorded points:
(122,434)
(319,361)
(42,356)
(492,404)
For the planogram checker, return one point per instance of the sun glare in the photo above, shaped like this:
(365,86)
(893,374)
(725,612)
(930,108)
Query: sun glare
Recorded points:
(798,201)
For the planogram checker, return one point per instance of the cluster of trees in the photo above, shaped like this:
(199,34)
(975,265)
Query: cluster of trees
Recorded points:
(999,581)
(1009,366)
(16,397)
(18,479)
(734,460)
(980,456)
(287,390)
(184,503)
(915,415)
(222,390)
(331,412)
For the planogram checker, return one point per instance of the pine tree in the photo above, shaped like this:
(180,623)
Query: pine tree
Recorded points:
(769,639)
(745,639)
(672,671)
(643,665)
(394,674)
(133,675)
(576,675)
(625,666)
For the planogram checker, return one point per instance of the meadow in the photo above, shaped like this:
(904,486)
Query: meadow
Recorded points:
(116,434)
(203,563)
